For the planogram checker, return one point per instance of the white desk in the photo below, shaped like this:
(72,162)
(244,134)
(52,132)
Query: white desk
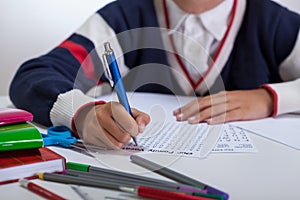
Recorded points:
(272,173)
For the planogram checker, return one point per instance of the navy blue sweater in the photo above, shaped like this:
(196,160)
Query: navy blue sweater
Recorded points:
(267,36)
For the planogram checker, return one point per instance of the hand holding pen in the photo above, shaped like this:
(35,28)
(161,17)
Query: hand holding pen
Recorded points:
(110,124)
(124,121)
(114,76)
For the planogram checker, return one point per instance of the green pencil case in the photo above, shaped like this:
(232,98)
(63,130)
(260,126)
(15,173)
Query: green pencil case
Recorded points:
(19,136)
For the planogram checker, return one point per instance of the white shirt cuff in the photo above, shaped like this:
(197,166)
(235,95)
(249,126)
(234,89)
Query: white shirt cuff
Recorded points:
(66,106)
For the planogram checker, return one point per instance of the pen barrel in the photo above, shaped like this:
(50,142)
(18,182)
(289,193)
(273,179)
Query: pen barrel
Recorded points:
(43,192)
(59,178)
(176,176)
(118,84)
(165,195)
(115,78)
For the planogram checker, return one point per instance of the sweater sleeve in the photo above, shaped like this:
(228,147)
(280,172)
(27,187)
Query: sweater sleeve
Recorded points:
(38,82)
(45,84)
(287,93)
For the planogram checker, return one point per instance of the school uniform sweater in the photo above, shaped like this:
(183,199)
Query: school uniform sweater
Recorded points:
(260,47)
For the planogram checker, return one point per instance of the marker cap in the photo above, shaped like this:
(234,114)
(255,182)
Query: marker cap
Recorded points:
(78,166)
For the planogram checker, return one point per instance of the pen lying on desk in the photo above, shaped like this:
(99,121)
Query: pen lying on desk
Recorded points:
(169,186)
(175,175)
(113,174)
(60,178)
(140,190)
(160,194)
(136,182)
(39,190)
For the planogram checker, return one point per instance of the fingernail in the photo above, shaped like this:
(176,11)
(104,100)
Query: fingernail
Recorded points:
(209,121)
(192,119)
(179,116)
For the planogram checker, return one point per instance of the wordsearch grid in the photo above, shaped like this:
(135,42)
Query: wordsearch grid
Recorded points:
(171,139)
(187,140)
(234,139)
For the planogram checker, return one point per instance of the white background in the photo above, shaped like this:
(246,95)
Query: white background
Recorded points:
(32,27)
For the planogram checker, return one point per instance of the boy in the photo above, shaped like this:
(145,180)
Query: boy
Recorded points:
(165,46)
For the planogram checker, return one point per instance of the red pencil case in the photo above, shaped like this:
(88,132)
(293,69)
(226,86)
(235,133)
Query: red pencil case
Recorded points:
(14,115)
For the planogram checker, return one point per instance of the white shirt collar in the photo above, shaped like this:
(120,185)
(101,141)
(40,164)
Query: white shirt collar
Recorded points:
(215,20)
(176,16)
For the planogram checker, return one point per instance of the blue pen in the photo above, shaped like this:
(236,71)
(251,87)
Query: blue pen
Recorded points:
(114,76)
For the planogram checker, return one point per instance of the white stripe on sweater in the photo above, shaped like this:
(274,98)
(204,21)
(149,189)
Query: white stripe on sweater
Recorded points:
(98,31)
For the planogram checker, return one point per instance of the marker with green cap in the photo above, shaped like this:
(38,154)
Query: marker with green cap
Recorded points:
(98,170)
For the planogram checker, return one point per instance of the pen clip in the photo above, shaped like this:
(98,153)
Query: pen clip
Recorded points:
(107,70)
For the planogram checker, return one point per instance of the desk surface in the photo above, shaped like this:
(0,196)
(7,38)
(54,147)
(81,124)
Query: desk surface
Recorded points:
(271,173)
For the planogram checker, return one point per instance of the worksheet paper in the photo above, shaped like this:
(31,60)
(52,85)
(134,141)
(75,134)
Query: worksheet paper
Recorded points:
(283,129)
(164,135)
(236,140)
(187,140)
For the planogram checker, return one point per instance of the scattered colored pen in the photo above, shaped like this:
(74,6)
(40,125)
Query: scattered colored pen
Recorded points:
(114,185)
(175,175)
(39,190)
(160,194)
(60,178)
(95,172)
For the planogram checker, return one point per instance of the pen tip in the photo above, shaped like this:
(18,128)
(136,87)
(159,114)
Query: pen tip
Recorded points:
(134,140)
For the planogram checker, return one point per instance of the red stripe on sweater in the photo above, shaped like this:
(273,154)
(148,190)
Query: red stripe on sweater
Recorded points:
(82,56)
(275,99)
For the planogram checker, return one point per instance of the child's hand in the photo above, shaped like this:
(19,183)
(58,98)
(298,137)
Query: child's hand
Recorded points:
(110,125)
(228,106)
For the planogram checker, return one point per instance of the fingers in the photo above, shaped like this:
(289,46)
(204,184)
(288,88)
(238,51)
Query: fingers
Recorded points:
(188,110)
(212,112)
(112,129)
(122,119)
(210,105)
(142,119)
(110,125)
(228,106)
(229,116)
(93,133)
